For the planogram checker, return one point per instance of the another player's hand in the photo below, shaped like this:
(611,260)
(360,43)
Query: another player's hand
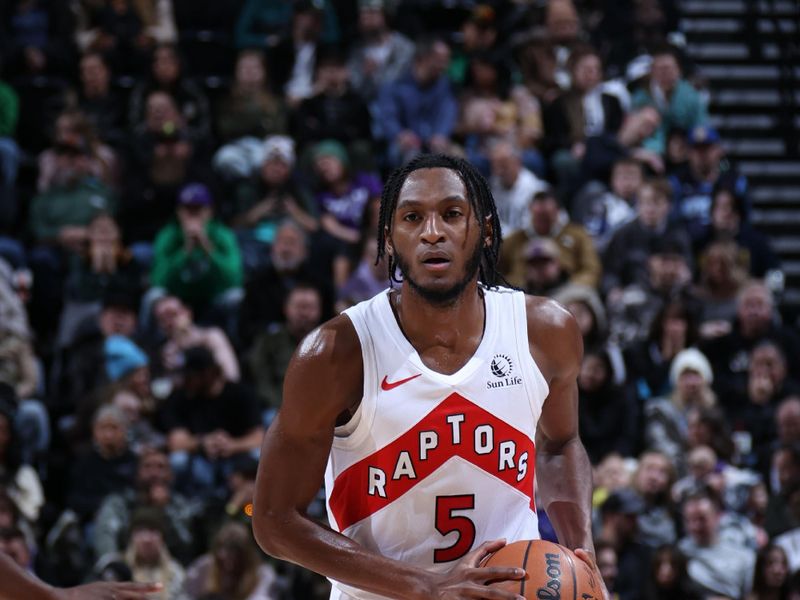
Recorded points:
(110,591)
(467,579)
(588,557)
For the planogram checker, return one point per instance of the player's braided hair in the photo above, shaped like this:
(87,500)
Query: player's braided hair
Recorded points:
(478,194)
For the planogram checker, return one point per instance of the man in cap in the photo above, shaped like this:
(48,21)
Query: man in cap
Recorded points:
(576,249)
(195,257)
(708,171)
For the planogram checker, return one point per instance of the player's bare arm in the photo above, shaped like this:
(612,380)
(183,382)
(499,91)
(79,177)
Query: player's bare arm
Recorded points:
(323,386)
(563,471)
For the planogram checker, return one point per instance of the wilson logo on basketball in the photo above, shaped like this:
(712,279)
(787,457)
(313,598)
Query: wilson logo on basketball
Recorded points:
(502,368)
(552,589)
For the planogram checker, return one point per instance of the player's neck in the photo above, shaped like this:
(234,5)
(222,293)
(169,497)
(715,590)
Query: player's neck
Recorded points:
(427,324)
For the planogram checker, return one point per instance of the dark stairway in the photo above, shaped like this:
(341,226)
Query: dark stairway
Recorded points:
(749,51)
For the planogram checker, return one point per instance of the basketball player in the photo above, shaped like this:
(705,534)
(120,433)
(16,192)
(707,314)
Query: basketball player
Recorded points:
(426,409)
(19,585)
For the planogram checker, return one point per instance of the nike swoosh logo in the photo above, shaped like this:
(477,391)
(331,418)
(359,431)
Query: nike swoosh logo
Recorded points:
(386,385)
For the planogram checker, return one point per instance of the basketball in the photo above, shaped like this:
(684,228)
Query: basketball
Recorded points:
(552,572)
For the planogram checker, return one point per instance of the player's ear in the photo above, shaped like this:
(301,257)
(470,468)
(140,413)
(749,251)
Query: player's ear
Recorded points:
(488,231)
(387,245)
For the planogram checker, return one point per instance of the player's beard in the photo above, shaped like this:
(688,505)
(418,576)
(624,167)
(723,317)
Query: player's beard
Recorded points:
(446,296)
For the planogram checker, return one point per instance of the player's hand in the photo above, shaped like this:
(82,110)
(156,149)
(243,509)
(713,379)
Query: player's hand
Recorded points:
(588,557)
(467,579)
(110,591)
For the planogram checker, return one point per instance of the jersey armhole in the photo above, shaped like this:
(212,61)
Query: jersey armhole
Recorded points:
(536,387)
(358,426)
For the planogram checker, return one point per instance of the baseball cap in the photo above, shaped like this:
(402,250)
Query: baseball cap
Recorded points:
(541,248)
(703,135)
(279,146)
(482,15)
(122,357)
(624,501)
(331,148)
(194,194)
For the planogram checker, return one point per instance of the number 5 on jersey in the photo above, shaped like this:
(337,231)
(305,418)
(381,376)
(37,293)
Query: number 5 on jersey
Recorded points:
(448,522)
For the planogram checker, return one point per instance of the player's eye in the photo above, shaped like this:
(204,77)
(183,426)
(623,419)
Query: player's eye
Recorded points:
(411,217)
(453,213)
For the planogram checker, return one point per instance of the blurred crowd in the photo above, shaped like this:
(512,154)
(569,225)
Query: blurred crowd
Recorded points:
(188,188)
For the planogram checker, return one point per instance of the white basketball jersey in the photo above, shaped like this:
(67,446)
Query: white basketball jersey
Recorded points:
(432,465)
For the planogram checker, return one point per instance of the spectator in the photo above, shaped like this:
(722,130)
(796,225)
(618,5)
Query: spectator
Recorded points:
(626,257)
(232,569)
(756,319)
(153,490)
(771,574)
(513,186)
(714,565)
(565,32)
(653,481)
(196,258)
(680,105)
(20,481)
(166,75)
(369,278)
(103,264)
(493,108)
(752,410)
(334,111)
(163,158)
(293,56)
(608,416)
(14,545)
(708,170)
(342,202)
(141,432)
(607,562)
(251,109)
(544,273)
(381,55)
(417,112)
(602,211)
(536,58)
(148,557)
(576,251)
(124,31)
(75,137)
(721,279)
(648,361)
(263,203)
(9,152)
(273,349)
(83,347)
(583,111)
(590,314)
(780,515)
(109,460)
(18,368)
(262,22)
(102,104)
(709,427)
(208,420)
(729,221)
(479,36)
(666,425)
(668,577)
(176,322)
(290,262)
(787,426)
(619,526)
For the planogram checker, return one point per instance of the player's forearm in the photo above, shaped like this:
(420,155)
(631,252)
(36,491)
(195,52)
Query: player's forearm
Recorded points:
(302,541)
(18,584)
(565,488)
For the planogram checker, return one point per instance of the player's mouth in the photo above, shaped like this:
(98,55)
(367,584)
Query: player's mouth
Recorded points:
(436,262)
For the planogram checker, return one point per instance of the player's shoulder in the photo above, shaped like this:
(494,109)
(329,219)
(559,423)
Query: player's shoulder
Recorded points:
(553,336)
(545,315)
(334,342)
